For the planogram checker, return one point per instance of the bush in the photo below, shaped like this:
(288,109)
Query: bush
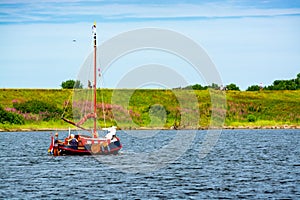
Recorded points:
(196,87)
(214,86)
(9,117)
(45,110)
(292,84)
(251,118)
(34,106)
(70,84)
(253,88)
(232,86)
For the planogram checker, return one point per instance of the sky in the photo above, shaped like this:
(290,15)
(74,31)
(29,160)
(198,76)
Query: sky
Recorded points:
(251,42)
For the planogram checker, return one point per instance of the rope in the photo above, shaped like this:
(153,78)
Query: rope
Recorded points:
(66,106)
(102,99)
(101,79)
(89,94)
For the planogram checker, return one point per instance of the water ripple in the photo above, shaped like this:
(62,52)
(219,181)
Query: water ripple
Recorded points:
(253,164)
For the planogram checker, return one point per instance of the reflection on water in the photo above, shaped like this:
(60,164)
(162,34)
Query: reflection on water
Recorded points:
(243,164)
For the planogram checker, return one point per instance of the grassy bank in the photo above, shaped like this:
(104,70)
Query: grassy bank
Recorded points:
(138,109)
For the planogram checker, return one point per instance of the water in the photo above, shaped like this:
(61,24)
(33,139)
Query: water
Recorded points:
(249,164)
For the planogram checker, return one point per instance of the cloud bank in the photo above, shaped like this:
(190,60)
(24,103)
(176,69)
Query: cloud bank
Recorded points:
(52,11)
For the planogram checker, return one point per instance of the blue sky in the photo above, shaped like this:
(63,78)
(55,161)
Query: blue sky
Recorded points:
(250,42)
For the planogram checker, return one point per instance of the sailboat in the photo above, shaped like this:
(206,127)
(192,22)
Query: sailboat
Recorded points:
(78,144)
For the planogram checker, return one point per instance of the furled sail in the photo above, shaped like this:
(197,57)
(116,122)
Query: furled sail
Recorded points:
(86,117)
(73,123)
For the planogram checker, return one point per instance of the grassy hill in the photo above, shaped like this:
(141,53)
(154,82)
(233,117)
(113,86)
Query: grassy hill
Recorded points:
(131,109)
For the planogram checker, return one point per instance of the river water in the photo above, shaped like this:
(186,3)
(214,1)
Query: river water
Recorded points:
(249,164)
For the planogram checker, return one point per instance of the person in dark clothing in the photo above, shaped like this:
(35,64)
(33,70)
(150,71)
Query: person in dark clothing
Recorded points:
(73,141)
(56,143)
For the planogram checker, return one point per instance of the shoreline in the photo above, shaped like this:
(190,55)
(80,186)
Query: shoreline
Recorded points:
(280,127)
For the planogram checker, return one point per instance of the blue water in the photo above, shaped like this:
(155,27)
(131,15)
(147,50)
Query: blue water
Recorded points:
(249,164)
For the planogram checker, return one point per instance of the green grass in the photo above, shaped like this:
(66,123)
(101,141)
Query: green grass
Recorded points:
(55,96)
(130,109)
(261,123)
(273,106)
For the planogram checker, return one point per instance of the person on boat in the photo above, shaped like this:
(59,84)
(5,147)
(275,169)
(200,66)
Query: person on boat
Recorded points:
(114,139)
(57,140)
(56,143)
(73,141)
(111,132)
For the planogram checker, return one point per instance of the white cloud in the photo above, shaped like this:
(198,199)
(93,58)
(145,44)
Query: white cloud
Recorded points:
(52,11)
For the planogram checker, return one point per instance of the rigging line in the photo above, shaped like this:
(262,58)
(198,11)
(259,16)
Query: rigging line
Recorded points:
(88,92)
(91,90)
(66,106)
(102,99)
(101,80)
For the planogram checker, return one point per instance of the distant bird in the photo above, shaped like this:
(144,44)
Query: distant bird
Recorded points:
(74,40)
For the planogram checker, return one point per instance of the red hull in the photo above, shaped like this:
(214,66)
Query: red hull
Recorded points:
(88,146)
(87,150)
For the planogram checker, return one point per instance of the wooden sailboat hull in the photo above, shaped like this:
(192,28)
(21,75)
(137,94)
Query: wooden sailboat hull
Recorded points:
(90,149)
(84,145)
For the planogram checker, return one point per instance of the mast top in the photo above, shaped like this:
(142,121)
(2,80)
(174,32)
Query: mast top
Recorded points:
(94,34)
(94,28)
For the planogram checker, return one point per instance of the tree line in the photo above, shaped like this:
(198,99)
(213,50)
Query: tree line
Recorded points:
(292,84)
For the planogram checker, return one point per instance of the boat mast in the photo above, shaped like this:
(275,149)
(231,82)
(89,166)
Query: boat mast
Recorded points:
(95,81)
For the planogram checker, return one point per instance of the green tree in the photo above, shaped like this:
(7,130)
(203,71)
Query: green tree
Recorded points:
(198,87)
(292,84)
(297,81)
(70,84)
(195,87)
(284,85)
(214,86)
(253,88)
(232,86)
(78,85)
